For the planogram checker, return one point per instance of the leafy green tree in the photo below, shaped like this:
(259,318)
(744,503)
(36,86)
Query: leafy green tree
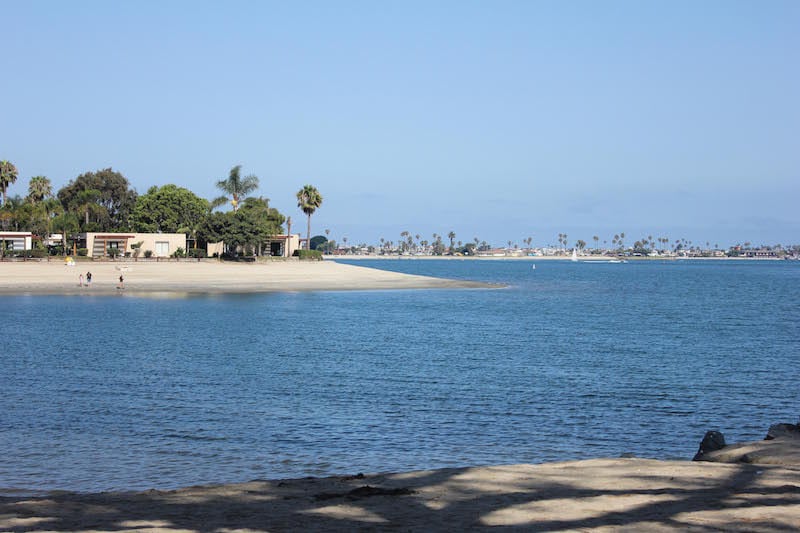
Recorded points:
(169,209)
(8,175)
(12,214)
(237,187)
(267,220)
(249,227)
(86,203)
(309,200)
(318,242)
(224,227)
(114,200)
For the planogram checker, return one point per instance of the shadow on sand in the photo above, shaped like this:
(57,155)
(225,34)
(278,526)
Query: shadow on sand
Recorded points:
(618,494)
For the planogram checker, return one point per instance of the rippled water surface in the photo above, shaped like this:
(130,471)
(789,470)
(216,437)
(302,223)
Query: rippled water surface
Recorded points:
(570,361)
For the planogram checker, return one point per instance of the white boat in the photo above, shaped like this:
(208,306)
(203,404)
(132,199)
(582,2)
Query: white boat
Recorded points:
(597,261)
(575,254)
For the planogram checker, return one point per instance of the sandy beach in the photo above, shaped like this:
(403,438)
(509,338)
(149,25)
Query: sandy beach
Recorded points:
(190,277)
(593,495)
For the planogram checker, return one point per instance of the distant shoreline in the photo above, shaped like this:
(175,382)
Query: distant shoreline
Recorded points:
(540,258)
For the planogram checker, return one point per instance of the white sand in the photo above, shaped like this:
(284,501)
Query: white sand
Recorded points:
(595,495)
(207,277)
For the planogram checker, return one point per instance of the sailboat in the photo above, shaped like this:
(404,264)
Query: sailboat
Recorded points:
(575,255)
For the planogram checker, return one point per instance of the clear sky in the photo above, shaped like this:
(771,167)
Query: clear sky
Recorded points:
(494,119)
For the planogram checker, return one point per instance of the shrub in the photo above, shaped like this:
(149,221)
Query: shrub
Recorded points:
(113,252)
(197,252)
(308,255)
(180,252)
(148,253)
(83,252)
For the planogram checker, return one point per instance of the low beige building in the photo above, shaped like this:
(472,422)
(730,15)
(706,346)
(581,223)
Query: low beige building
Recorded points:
(132,244)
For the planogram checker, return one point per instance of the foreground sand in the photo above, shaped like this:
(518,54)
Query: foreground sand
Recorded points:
(208,277)
(594,495)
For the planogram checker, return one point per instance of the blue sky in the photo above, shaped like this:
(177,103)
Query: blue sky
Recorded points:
(498,120)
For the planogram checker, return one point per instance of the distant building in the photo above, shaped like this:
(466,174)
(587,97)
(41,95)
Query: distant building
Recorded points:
(279,246)
(16,240)
(99,244)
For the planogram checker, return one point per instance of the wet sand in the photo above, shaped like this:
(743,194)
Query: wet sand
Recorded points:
(593,495)
(208,277)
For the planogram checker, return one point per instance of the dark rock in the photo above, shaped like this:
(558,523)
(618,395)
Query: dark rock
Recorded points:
(365,491)
(780,451)
(783,430)
(712,441)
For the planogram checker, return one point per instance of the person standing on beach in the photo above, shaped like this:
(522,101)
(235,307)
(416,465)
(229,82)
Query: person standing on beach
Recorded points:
(88,279)
(121,282)
(80,280)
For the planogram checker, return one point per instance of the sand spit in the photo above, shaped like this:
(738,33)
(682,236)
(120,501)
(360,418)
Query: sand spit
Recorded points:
(208,277)
(593,495)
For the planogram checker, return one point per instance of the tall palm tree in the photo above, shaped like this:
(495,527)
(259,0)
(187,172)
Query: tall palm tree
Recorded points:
(39,188)
(8,175)
(236,187)
(452,237)
(309,200)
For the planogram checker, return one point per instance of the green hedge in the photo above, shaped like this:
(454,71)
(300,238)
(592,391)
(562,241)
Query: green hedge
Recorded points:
(310,255)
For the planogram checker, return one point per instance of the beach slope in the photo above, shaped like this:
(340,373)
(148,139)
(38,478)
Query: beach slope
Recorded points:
(593,495)
(208,277)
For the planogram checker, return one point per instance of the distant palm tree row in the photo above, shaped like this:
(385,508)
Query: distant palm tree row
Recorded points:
(104,201)
(412,243)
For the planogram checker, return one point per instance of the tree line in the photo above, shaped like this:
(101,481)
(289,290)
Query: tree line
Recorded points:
(104,201)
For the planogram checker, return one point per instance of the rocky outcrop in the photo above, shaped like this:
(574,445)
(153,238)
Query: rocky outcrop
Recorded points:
(780,447)
(712,441)
(777,431)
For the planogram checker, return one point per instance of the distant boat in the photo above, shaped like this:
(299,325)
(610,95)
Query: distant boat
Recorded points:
(598,261)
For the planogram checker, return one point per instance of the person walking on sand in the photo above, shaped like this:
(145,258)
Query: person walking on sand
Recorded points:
(88,279)
(121,282)
(80,280)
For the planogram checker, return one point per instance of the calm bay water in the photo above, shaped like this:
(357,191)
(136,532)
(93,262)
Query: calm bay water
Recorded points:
(570,361)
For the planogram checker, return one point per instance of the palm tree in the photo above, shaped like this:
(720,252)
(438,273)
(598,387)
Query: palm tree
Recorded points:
(8,175)
(236,187)
(452,237)
(403,245)
(309,200)
(39,188)
(595,238)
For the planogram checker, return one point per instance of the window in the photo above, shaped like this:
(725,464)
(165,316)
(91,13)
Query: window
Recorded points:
(162,248)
